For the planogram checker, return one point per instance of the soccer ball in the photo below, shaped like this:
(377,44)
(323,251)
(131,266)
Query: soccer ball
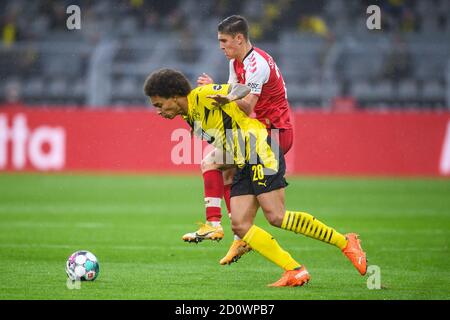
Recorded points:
(82,265)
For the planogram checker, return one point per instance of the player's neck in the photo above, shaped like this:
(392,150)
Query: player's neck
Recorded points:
(245,50)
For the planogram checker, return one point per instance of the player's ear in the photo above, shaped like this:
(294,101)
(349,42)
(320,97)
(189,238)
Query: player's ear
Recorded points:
(175,99)
(240,38)
(243,38)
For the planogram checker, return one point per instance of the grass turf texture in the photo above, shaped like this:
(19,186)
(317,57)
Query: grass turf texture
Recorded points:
(134,224)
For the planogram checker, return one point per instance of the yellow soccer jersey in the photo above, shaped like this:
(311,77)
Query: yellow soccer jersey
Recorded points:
(228,128)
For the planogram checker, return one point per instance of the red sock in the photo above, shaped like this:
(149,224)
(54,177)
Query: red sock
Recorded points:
(226,196)
(213,183)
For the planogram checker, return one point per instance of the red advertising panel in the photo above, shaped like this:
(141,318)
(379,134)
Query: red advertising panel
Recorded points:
(406,143)
(357,143)
(62,139)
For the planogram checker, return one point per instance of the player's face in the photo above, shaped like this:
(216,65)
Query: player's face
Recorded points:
(165,107)
(229,44)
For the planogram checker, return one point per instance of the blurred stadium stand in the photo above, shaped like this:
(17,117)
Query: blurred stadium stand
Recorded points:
(322,47)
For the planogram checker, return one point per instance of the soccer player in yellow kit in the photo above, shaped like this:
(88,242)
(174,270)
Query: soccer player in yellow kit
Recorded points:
(259,181)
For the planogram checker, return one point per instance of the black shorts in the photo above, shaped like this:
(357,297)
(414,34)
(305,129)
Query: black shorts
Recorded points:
(256,179)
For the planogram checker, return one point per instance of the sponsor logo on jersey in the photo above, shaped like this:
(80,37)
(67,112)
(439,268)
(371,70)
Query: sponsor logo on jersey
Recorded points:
(253,85)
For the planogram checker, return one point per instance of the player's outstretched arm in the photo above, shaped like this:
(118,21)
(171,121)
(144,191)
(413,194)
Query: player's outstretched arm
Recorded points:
(248,103)
(236,91)
(204,79)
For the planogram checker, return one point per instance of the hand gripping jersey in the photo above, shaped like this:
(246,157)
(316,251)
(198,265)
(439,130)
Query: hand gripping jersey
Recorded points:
(260,73)
(228,128)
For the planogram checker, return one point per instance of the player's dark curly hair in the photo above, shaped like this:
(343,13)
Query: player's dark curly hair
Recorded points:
(233,25)
(167,83)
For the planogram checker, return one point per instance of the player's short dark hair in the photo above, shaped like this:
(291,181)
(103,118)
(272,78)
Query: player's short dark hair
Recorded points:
(167,83)
(233,25)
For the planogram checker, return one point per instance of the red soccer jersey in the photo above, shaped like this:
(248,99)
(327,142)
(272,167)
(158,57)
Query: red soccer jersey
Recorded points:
(260,73)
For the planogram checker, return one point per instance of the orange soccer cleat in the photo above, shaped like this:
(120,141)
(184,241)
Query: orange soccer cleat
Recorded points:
(293,278)
(355,253)
(237,250)
(205,232)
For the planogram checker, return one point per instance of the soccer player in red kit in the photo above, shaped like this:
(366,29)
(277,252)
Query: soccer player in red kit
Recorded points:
(267,102)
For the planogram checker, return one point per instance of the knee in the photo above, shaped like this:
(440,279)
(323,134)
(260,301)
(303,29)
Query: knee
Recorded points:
(240,229)
(228,176)
(206,165)
(275,218)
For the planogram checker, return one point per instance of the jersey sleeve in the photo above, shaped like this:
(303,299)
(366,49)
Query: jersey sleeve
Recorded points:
(233,77)
(211,89)
(256,76)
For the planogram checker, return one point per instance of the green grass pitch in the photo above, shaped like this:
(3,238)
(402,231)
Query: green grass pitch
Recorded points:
(134,226)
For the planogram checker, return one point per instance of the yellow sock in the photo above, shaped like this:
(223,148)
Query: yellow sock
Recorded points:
(268,247)
(306,224)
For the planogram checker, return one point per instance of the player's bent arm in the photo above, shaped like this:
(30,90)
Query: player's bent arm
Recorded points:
(248,103)
(236,91)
